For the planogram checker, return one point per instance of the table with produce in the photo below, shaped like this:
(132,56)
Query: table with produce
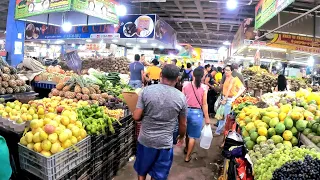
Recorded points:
(281,134)
(82,123)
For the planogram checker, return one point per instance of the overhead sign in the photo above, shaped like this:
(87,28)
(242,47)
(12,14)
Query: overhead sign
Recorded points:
(137,26)
(294,42)
(27,8)
(42,32)
(267,9)
(103,9)
(165,33)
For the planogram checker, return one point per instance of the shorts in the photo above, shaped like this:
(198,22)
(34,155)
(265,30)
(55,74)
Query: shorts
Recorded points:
(135,84)
(155,162)
(194,122)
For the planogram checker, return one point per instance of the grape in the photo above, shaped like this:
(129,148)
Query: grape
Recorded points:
(288,162)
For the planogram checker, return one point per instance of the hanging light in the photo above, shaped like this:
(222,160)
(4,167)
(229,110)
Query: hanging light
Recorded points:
(232,4)
(311,61)
(66,26)
(121,10)
(227,43)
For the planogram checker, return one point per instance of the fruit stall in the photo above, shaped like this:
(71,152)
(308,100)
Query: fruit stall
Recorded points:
(279,138)
(82,129)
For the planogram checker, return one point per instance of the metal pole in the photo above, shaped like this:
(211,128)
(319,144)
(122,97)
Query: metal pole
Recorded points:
(306,13)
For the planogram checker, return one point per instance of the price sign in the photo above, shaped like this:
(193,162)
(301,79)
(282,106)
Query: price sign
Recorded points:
(73,61)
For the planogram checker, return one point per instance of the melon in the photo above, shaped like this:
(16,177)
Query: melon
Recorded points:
(280,127)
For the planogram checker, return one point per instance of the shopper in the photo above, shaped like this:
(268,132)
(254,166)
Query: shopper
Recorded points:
(282,84)
(235,73)
(159,107)
(232,89)
(187,74)
(196,94)
(136,73)
(218,76)
(5,169)
(153,72)
(174,61)
(209,81)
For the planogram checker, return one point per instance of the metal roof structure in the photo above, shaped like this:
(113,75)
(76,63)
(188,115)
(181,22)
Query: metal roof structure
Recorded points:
(204,23)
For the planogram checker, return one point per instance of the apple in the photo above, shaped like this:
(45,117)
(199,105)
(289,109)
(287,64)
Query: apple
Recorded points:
(59,109)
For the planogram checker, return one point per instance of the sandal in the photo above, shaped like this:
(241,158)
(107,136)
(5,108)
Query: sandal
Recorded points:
(188,160)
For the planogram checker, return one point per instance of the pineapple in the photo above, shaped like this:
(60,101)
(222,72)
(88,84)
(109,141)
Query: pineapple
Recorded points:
(22,82)
(67,88)
(16,76)
(9,90)
(92,90)
(16,89)
(101,101)
(94,96)
(5,77)
(4,84)
(55,92)
(22,89)
(77,89)
(28,88)
(2,91)
(60,86)
(50,95)
(6,70)
(12,77)
(12,83)
(61,93)
(79,96)
(85,97)
(70,95)
(105,95)
(98,92)
(13,70)
(96,87)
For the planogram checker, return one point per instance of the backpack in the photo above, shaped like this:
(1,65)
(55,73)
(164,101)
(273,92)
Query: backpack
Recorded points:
(186,76)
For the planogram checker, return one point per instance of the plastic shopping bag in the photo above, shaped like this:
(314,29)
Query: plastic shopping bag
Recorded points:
(206,137)
(220,112)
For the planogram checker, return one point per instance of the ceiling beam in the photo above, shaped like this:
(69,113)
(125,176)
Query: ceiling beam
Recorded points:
(199,39)
(159,4)
(213,21)
(205,45)
(199,8)
(218,33)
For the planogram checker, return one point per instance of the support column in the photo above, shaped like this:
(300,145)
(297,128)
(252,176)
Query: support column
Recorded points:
(15,33)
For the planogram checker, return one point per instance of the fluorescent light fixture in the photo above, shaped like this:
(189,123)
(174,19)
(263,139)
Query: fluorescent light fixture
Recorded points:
(66,26)
(143,41)
(128,44)
(115,40)
(60,41)
(153,44)
(221,49)
(311,61)
(73,45)
(161,47)
(136,48)
(32,43)
(89,40)
(138,45)
(232,4)
(268,48)
(178,47)
(227,43)
(121,10)
(43,41)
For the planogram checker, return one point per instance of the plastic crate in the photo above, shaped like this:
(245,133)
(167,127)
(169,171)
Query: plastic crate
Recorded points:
(82,172)
(105,171)
(56,166)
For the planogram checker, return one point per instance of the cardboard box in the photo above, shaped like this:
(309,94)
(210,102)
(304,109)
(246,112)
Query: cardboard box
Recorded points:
(131,99)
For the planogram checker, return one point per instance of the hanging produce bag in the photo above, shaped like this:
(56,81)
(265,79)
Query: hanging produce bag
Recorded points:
(206,137)
(73,61)
(220,113)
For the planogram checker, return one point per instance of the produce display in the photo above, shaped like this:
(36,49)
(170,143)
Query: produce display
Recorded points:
(275,97)
(280,123)
(296,84)
(55,74)
(54,127)
(274,165)
(109,64)
(77,88)
(259,79)
(245,99)
(10,82)
(309,168)
(30,65)
(95,120)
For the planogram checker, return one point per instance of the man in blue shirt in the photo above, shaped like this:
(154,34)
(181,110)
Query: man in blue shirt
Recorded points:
(136,73)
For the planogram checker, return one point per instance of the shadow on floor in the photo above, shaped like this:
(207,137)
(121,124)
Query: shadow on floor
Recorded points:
(205,165)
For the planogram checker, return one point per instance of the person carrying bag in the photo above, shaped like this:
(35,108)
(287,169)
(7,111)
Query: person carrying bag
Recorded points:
(196,95)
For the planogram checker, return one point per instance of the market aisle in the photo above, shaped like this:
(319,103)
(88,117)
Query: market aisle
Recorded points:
(204,167)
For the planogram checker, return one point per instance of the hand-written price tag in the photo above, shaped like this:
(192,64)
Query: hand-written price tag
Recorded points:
(73,61)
